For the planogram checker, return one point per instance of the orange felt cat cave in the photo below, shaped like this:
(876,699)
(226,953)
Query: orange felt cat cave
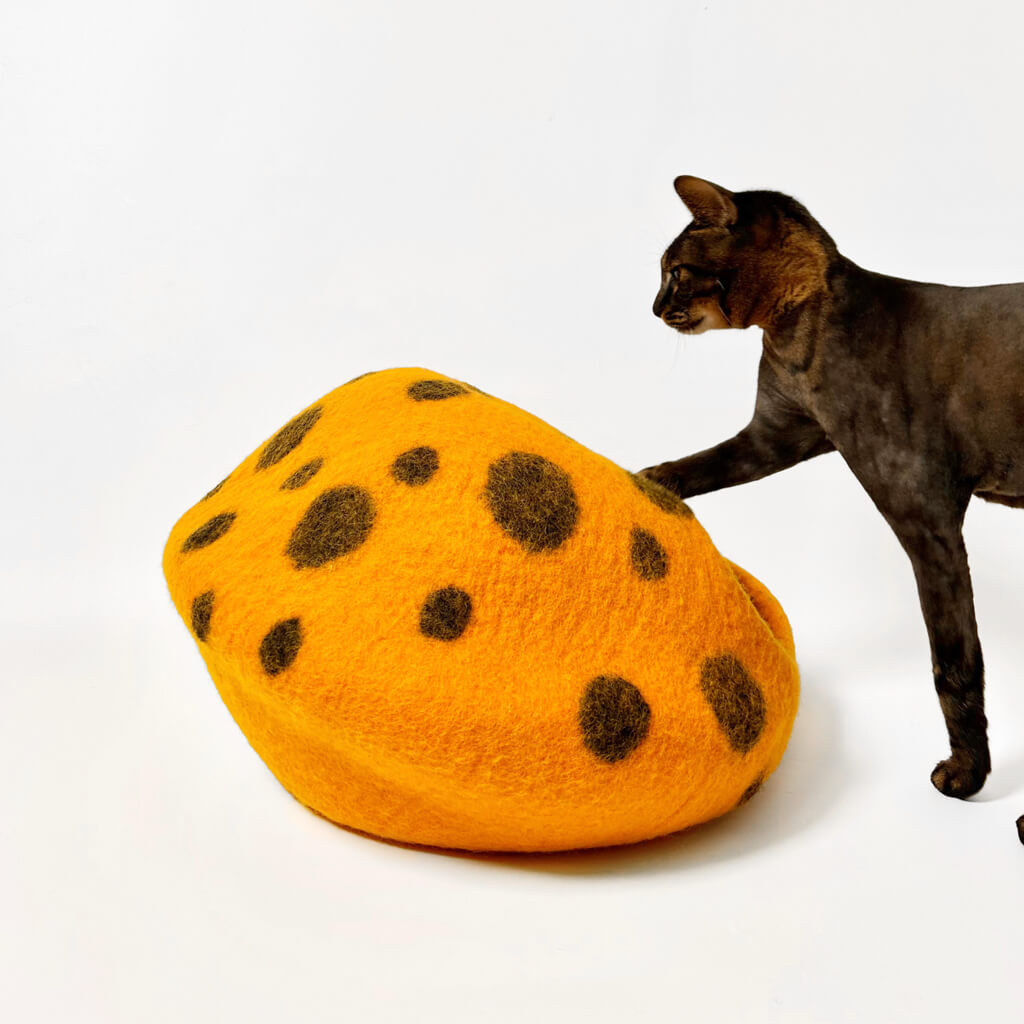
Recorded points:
(439,620)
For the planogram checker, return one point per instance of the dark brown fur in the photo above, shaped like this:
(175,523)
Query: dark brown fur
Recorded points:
(920,387)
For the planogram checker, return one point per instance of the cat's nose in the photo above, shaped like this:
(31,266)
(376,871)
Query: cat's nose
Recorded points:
(660,302)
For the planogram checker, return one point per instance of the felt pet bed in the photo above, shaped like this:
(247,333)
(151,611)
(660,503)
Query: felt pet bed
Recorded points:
(441,621)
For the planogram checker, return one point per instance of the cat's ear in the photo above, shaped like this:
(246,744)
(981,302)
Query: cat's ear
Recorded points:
(709,203)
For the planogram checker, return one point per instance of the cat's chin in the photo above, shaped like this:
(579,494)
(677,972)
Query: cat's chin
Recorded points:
(712,319)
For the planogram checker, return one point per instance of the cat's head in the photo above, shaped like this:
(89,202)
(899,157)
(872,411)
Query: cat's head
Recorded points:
(746,258)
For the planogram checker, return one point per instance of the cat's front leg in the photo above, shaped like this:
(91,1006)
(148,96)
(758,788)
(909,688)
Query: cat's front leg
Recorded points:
(937,552)
(780,434)
(760,449)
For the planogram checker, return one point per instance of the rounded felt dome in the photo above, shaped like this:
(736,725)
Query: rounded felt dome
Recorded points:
(439,620)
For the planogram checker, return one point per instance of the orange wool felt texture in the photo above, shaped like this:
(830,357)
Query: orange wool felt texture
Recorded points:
(441,621)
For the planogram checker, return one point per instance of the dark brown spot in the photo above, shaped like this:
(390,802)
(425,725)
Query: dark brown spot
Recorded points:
(337,522)
(415,467)
(435,390)
(213,529)
(445,614)
(302,475)
(201,608)
(735,699)
(532,500)
(614,717)
(288,438)
(662,496)
(648,556)
(751,790)
(280,646)
(213,491)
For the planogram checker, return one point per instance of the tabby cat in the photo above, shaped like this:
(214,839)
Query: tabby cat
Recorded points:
(920,388)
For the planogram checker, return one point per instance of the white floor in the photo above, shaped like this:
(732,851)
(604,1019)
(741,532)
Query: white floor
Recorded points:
(154,869)
(214,214)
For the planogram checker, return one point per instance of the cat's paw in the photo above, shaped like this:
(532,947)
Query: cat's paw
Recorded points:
(663,474)
(959,776)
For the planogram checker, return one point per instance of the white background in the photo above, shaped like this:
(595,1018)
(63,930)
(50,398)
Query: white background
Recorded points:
(214,212)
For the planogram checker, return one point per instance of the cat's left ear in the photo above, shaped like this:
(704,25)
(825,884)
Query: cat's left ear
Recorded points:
(710,204)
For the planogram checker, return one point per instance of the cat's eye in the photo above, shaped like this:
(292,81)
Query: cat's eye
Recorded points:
(681,268)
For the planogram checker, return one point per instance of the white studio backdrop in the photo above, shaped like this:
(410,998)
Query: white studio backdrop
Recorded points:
(215,212)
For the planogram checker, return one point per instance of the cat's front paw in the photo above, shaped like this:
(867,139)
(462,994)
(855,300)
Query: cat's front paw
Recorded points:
(663,474)
(960,776)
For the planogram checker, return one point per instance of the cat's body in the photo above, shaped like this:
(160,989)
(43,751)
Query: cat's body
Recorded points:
(920,387)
